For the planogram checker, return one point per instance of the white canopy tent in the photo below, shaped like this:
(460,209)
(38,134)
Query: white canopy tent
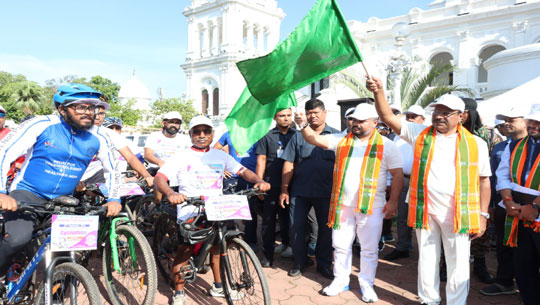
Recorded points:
(523,97)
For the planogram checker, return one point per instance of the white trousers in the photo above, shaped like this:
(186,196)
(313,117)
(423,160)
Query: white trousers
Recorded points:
(368,228)
(456,251)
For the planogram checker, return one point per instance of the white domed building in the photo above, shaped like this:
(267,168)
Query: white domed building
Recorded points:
(135,90)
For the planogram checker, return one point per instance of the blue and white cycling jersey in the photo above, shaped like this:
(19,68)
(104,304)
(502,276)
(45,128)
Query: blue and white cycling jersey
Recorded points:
(56,157)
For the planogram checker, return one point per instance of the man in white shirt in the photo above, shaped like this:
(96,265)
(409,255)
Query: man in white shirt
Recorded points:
(162,145)
(199,171)
(353,215)
(434,209)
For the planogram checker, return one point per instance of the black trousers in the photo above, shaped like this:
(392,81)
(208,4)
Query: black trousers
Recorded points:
(527,265)
(272,209)
(18,229)
(505,256)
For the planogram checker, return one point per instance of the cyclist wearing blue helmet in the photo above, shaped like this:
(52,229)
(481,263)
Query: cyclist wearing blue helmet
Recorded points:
(58,150)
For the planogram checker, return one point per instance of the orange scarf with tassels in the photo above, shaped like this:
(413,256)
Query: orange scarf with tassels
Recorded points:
(369,176)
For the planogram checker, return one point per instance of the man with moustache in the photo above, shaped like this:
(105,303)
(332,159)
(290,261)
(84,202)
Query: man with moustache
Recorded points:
(358,204)
(58,150)
(448,195)
(269,167)
(162,145)
(199,171)
(518,181)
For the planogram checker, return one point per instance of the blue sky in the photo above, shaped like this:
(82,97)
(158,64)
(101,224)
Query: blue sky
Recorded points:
(53,38)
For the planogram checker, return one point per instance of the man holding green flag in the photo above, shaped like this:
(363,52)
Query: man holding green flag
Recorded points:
(319,46)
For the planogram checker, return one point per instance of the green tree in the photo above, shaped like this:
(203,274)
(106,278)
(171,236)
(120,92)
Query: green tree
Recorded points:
(416,87)
(160,107)
(104,85)
(29,97)
(126,112)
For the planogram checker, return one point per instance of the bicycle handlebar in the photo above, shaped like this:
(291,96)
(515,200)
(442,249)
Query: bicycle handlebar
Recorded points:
(53,207)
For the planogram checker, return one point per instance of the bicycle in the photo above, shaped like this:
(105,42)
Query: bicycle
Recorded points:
(141,208)
(129,266)
(240,269)
(64,280)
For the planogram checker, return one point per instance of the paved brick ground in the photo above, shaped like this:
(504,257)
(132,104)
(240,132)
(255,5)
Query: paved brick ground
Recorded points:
(395,284)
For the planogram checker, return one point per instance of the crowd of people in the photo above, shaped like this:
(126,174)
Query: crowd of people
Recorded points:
(449,179)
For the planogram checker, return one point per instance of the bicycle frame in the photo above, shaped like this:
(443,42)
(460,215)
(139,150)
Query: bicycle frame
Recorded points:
(109,226)
(50,264)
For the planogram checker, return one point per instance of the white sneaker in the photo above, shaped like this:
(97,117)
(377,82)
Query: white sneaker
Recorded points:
(179,299)
(368,294)
(334,289)
(280,248)
(220,293)
(287,253)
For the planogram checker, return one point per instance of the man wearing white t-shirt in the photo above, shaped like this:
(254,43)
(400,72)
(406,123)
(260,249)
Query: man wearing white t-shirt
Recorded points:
(358,204)
(449,192)
(162,145)
(199,171)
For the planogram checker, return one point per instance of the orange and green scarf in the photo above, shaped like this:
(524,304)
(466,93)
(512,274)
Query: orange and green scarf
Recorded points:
(517,164)
(467,189)
(369,176)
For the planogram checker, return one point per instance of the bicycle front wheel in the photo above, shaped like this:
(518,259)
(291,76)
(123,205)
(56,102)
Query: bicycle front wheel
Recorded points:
(248,284)
(136,281)
(71,284)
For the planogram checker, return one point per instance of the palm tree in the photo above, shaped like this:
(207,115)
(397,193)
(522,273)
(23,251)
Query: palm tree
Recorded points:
(415,88)
(28,96)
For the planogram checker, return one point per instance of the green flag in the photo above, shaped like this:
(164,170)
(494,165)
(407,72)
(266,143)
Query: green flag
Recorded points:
(250,120)
(319,46)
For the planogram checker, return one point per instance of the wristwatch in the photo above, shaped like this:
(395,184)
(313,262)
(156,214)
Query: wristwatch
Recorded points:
(485,214)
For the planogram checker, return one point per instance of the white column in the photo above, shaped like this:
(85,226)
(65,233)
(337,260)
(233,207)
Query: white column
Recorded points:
(464,54)
(224,43)
(260,39)
(207,41)
(204,40)
(219,36)
(189,53)
(214,50)
(249,47)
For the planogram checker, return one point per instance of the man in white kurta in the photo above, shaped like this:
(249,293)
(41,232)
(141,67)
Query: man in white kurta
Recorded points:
(351,221)
(440,224)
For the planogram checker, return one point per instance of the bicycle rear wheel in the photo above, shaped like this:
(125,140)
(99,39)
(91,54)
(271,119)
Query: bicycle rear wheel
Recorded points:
(143,212)
(164,244)
(71,284)
(136,283)
(248,284)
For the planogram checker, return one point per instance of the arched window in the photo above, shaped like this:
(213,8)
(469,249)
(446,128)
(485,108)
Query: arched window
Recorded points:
(205,101)
(215,102)
(443,59)
(484,55)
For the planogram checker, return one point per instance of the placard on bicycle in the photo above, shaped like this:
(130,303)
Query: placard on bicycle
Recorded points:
(74,232)
(227,207)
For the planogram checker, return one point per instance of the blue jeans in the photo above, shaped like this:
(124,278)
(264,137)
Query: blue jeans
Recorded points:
(298,212)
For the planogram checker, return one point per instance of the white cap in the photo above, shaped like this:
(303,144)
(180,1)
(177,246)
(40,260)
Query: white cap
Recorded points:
(498,122)
(416,109)
(2,109)
(348,111)
(363,112)
(200,120)
(395,107)
(514,112)
(534,114)
(172,115)
(451,101)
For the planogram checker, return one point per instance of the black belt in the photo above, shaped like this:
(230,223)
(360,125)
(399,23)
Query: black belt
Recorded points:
(407,176)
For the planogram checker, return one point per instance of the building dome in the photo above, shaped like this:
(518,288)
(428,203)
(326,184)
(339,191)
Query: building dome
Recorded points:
(134,89)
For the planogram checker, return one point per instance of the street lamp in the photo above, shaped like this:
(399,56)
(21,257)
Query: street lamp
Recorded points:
(399,60)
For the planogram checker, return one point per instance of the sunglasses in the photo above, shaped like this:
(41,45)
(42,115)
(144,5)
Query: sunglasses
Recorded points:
(197,132)
(2,114)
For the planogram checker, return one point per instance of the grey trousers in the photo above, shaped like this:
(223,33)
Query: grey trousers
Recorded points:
(404,232)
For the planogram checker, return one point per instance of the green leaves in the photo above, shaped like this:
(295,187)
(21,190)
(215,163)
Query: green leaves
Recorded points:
(160,107)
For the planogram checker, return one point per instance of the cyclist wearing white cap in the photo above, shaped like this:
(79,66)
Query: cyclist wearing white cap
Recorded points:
(199,171)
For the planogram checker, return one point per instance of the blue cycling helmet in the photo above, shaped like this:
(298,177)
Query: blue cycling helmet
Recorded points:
(78,93)
(112,121)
